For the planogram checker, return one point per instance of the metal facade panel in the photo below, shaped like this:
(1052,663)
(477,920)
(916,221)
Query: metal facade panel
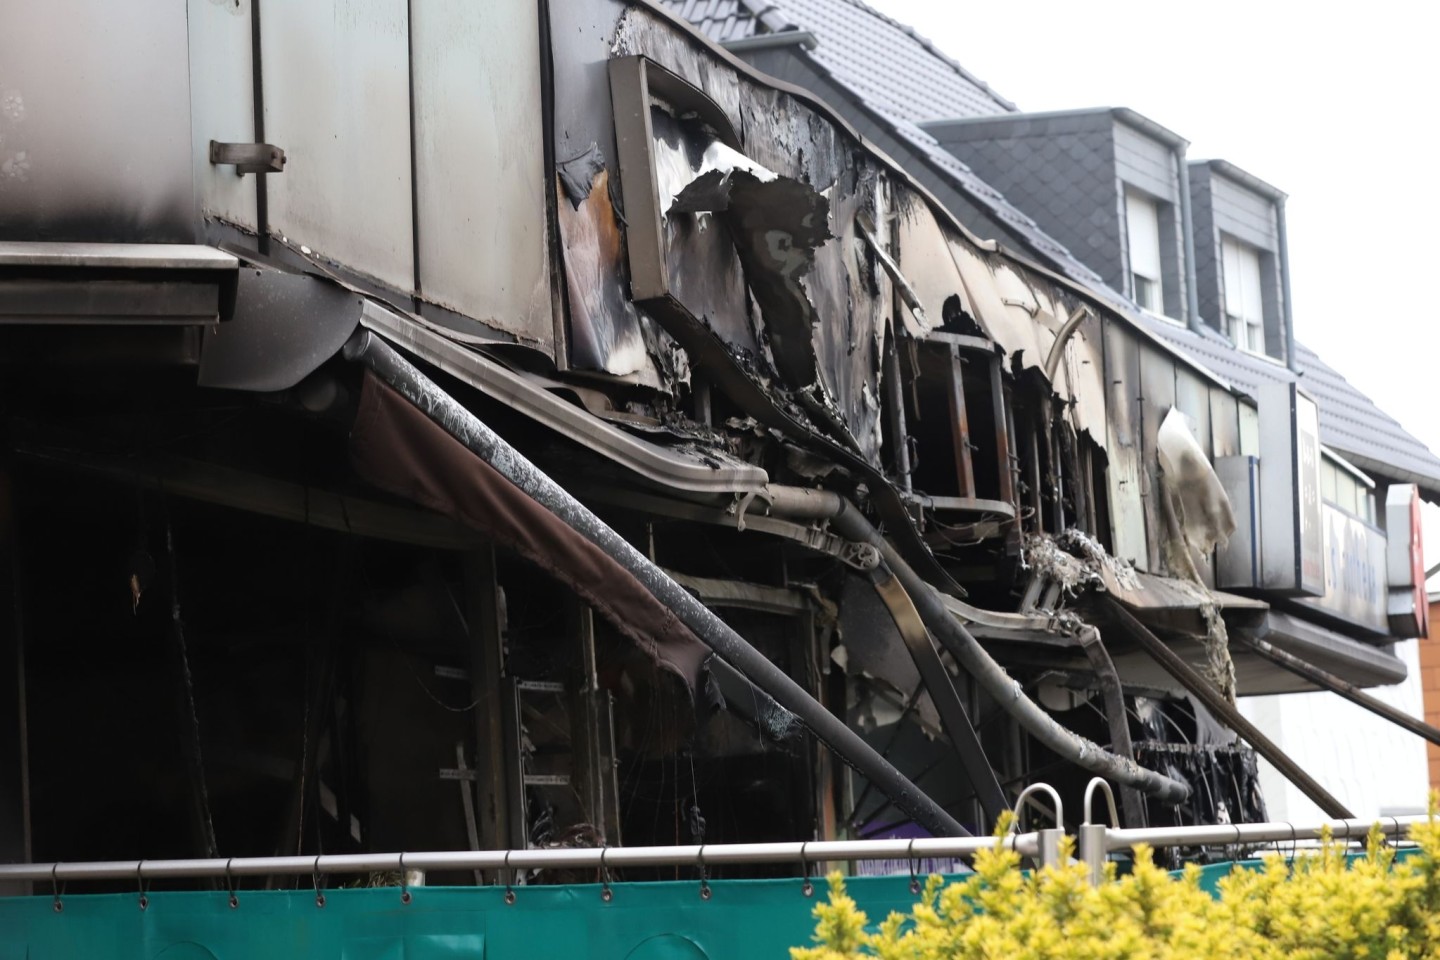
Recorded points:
(1237,562)
(1157,396)
(1292,539)
(1084,366)
(1249,430)
(222,106)
(94,122)
(1146,163)
(337,100)
(1243,214)
(481,184)
(1224,424)
(1192,398)
(1127,511)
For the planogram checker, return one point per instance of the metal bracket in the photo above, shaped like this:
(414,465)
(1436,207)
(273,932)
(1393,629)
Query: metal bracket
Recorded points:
(248,157)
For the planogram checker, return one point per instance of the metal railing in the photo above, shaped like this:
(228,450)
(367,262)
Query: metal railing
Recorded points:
(1095,843)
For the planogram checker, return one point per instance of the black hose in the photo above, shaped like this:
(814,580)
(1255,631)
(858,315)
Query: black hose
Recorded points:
(465,427)
(966,650)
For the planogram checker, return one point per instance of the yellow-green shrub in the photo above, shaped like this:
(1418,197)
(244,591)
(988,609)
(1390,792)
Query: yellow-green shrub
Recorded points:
(1319,907)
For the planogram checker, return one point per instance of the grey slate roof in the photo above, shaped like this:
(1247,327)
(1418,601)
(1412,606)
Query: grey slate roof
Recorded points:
(902,80)
(874,55)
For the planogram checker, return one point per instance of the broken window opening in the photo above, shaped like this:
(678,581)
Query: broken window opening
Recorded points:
(959,437)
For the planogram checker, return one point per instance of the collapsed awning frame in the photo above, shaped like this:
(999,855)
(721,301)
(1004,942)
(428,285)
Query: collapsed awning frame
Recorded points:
(367,348)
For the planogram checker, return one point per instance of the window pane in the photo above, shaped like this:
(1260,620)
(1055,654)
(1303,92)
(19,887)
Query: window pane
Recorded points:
(1244,307)
(1142,228)
(1328,481)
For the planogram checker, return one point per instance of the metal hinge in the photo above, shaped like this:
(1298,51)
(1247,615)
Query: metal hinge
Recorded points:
(248,157)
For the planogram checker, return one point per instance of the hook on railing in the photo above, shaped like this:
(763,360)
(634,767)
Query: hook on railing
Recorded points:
(140,882)
(230,884)
(700,866)
(1109,800)
(1025,795)
(315,878)
(807,888)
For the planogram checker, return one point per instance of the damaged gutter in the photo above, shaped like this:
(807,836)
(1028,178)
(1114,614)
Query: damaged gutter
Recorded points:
(464,427)
(693,474)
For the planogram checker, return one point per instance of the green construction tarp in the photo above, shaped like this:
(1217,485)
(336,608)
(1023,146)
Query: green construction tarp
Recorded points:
(643,921)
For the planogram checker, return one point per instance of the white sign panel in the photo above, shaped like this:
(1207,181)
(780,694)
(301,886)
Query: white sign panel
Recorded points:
(1354,571)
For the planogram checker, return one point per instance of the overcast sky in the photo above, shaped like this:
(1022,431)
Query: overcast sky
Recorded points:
(1334,105)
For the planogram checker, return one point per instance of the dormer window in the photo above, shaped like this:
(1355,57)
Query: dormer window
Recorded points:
(1244,304)
(1142,230)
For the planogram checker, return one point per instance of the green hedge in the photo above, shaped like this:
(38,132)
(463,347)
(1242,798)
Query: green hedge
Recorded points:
(1318,906)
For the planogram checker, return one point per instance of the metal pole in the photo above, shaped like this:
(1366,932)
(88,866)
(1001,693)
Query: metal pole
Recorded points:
(465,427)
(468,860)
(1346,689)
(1093,848)
(1349,828)
(1029,844)
(1216,703)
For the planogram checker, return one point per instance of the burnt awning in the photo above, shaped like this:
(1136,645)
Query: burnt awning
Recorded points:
(398,448)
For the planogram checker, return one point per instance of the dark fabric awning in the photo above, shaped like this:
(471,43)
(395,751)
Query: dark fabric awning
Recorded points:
(396,447)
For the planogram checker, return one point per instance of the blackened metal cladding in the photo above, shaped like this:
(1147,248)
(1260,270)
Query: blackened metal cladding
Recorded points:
(777,224)
(962,734)
(484,443)
(605,329)
(701,267)
(974,660)
(1215,701)
(1346,689)
(708,351)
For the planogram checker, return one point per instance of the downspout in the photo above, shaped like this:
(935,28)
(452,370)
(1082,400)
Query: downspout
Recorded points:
(1187,229)
(465,427)
(1286,314)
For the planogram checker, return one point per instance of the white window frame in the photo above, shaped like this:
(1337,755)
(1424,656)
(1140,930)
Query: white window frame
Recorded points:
(1144,252)
(1241,280)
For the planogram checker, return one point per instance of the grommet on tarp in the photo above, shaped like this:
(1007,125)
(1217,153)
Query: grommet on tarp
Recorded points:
(404,882)
(140,881)
(807,888)
(914,868)
(606,893)
(509,879)
(55,887)
(700,866)
(315,879)
(230,884)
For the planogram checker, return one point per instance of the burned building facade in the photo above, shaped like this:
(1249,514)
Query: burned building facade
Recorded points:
(481,426)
